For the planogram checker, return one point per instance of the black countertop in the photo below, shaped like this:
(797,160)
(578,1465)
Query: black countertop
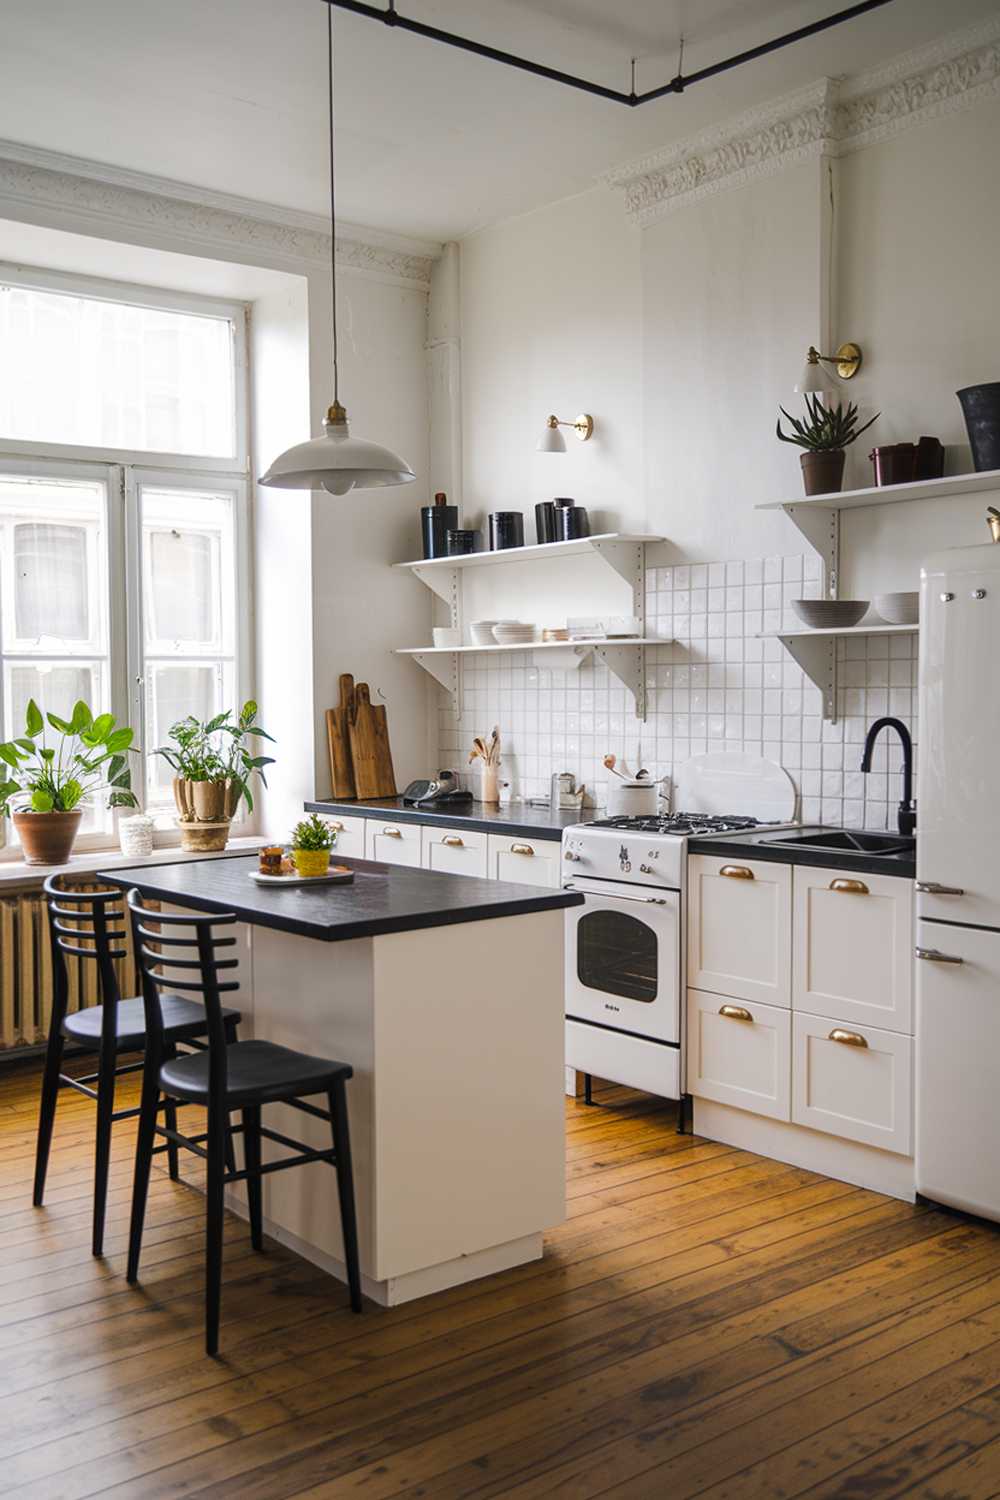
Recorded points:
(758,844)
(519,818)
(380,899)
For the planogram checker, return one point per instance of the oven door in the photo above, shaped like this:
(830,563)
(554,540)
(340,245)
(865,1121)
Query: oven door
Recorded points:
(623,952)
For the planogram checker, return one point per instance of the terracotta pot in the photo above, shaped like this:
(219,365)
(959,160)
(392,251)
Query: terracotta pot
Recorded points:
(47,838)
(823,472)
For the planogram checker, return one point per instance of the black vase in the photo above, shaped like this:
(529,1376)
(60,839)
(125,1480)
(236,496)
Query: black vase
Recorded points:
(981,409)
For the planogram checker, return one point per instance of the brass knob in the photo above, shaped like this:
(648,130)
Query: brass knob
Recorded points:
(521,849)
(846,1038)
(392,833)
(735,1013)
(736,872)
(337,827)
(453,841)
(850,887)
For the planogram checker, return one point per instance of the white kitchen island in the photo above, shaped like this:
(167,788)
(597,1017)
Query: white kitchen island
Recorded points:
(444,994)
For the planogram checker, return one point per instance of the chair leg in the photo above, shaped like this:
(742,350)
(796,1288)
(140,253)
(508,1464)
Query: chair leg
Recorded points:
(251,1155)
(102,1153)
(47,1111)
(170,1120)
(143,1161)
(215,1189)
(230,1149)
(345,1187)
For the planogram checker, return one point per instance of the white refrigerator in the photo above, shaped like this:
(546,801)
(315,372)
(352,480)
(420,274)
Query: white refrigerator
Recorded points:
(958,882)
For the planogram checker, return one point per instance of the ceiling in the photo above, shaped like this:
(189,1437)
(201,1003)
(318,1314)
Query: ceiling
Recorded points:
(432,142)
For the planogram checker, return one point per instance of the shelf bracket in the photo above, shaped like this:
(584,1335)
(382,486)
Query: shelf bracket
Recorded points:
(628,664)
(818,660)
(820,525)
(444,583)
(628,561)
(446,670)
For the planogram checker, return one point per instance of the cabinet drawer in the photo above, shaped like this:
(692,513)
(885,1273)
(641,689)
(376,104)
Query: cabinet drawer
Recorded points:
(858,1087)
(524,861)
(350,835)
(740,1054)
(455,851)
(853,947)
(739,928)
(394,843)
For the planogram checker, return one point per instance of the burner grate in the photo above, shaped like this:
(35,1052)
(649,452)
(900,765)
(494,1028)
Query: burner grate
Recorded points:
(680,823)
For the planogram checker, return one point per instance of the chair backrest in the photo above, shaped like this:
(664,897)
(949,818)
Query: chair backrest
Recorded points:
(176,951)
(86,925)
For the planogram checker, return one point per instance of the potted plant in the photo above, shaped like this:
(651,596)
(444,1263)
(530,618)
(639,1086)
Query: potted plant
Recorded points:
(312,840)
(44,786)
(824,434)
(213,766)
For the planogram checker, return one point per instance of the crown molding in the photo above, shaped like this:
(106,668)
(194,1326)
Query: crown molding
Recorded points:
(831,117)
(93,197)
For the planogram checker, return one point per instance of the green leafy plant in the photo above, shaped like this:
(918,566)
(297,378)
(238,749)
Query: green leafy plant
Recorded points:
(826,429)
(313,833)
(90,756)
(219,750)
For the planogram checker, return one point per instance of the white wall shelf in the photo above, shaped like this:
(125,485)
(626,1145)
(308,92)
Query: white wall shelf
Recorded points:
(816,653)
(818,516)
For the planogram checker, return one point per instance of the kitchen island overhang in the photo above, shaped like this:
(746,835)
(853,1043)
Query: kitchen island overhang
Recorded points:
(444,993)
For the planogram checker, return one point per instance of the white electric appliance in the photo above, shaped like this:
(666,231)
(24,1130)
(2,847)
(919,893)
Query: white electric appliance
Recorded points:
(958,882)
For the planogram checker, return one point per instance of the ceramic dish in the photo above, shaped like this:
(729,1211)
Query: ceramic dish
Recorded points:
(337,874)
(899,609)
(482,631)
(830,614)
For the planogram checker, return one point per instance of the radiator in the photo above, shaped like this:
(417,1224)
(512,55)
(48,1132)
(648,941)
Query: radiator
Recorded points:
(26,971)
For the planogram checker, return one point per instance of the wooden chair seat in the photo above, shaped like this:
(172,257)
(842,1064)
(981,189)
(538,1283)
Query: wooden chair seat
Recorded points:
(182,1021)
(256,1073)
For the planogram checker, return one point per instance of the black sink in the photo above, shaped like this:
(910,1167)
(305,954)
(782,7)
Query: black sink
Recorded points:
(846,842)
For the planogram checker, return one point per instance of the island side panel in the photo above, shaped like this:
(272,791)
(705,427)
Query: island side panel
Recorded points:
(469,1074)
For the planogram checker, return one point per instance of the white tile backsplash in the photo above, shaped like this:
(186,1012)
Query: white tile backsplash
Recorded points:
(712,686)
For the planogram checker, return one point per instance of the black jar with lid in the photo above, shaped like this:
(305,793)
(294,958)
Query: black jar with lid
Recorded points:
(506,530)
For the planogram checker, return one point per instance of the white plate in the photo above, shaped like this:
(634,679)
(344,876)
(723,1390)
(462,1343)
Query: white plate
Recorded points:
(333,877)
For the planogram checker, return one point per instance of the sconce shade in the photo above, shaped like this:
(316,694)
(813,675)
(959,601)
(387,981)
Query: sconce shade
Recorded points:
(813,380)
(551,440)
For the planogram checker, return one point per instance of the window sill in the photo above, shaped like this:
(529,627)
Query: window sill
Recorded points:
(15,874)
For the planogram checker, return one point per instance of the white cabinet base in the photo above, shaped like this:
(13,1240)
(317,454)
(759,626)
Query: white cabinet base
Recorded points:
(848,1161)
(632,1061)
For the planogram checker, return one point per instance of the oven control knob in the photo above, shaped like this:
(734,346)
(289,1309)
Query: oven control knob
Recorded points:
(646,870)
(571,854)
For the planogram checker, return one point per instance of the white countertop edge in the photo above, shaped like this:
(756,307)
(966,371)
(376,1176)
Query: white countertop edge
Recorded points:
(15,873)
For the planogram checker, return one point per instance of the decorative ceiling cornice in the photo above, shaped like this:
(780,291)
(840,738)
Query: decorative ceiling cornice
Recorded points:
(92,197)
(831,117)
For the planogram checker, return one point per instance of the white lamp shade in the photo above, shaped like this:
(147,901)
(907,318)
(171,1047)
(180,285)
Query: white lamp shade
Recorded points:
(816,382)
(551,441)
(337,463)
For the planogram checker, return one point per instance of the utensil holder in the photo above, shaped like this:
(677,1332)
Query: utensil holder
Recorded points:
(489,791)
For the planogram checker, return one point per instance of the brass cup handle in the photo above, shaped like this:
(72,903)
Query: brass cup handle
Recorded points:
(453,841)
(521,849)
(736,872)
(937,957)
(847,1038)
(392,833)
(933,888)
(735,1013)
(850,887)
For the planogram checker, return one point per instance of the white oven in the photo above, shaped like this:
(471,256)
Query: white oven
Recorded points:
(623,959)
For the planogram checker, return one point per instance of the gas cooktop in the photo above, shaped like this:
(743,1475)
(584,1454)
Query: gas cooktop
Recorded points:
(678,823)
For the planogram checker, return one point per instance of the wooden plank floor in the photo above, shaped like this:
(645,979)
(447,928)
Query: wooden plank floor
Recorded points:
(706,1322)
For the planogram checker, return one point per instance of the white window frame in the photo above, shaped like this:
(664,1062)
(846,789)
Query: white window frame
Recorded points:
(123,471)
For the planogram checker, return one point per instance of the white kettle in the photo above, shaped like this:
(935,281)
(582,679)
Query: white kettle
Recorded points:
(632,798)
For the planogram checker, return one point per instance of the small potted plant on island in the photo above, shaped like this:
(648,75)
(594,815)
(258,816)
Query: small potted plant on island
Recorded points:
(312,840)
(825,434)
(213,767)
(44,787)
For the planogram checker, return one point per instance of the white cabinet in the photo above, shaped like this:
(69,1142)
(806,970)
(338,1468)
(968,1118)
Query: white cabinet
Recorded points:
(739,928)
(854,1081)
(853,947)
(524,861)
(740,1054)
(455,851)
(350,835)
(394,843)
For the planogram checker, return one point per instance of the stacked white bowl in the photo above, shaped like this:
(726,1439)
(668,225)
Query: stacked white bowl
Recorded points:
(513,633)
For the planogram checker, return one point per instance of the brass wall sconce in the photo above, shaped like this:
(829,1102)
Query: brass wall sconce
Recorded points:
(847,361)
(552,440)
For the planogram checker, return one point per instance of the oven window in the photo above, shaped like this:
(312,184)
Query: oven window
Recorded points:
(617,954)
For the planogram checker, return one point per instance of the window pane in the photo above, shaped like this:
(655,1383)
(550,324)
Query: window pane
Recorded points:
(50,582)
(112,375)
(53,566)
(188,569)
(173,691)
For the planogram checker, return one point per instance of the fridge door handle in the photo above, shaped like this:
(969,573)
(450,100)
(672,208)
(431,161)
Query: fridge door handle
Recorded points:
(932,888)
(935,956)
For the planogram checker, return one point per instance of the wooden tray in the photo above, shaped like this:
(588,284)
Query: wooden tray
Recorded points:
(337,874)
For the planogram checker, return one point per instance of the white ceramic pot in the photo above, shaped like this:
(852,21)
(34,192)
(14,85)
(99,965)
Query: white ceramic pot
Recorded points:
(632,799)
(135,835)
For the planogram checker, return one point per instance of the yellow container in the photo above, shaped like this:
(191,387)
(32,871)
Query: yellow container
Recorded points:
(311,861)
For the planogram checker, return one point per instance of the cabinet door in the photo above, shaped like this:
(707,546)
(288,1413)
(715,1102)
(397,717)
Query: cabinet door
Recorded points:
(739,928)
(350,835)
(524,861)
(455,851)
(854,1082)
(394,843)
(740,1054)
(853,947)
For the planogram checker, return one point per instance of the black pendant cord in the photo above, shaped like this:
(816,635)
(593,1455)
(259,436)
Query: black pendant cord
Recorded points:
(333,199)
(391,17)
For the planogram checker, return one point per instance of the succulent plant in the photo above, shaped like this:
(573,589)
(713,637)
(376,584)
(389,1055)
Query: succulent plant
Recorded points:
(827,428)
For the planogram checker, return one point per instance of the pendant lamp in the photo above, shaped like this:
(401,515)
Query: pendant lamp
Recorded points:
(335,462)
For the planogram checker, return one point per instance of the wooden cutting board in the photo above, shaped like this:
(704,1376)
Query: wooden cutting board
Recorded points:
(370,752)
(338,733)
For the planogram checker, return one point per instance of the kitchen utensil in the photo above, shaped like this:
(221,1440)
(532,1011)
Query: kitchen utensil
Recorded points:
(545,522)
(632,798)
(444,790)
(460,542)
(563,791)
(899,609)
(609,761)
(339,740)
(336,875)
(370,752)
(830,614)
(506,529)
(435,522)
(444,635)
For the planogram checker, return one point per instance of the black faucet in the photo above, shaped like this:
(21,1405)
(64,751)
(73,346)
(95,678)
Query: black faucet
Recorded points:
(907,815)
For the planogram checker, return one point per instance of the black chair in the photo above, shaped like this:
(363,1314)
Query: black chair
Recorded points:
(229,1076)
(86,925)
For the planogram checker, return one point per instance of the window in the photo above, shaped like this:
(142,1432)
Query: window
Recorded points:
(123,526)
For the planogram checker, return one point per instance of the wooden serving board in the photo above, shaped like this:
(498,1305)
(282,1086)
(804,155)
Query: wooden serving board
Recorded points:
(370,751)
(338,734)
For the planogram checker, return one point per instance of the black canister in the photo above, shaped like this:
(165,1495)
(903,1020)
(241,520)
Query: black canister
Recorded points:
(461,542)
(435,522)
(545,522)
(981,409)
(572,521)
(506,530)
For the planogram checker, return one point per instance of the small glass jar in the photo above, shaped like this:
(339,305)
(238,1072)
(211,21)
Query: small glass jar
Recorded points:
(270,858)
